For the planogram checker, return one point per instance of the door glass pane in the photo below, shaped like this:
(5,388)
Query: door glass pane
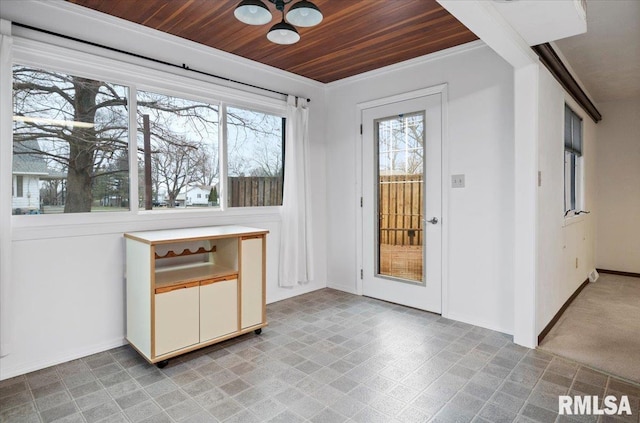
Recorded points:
(400,191)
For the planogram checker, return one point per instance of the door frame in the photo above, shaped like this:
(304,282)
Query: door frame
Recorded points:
(410,95)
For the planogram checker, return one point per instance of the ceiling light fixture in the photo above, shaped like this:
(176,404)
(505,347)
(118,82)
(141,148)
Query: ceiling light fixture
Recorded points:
(303,13)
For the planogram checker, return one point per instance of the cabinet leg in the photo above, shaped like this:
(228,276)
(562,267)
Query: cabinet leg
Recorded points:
(162,364)
(258,331)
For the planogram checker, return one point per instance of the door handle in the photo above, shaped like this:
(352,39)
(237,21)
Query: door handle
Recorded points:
(433,220)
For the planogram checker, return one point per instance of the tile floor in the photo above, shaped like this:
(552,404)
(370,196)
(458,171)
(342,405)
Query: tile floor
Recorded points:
(329,357)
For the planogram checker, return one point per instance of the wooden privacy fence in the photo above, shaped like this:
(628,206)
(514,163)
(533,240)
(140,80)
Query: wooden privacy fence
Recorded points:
(401,209)
(247,191)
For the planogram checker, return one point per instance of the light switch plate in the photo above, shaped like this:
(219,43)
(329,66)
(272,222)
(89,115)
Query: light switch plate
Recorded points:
(457,181)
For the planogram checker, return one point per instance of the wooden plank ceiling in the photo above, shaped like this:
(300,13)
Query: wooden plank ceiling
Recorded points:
(355,36)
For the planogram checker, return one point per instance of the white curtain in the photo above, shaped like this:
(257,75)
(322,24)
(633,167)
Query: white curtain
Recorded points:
(296,254)
(5,172)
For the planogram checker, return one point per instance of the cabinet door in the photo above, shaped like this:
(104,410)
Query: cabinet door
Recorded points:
(251,286)
(218,309)
(177,319)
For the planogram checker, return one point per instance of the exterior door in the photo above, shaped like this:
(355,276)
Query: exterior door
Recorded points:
(402,154)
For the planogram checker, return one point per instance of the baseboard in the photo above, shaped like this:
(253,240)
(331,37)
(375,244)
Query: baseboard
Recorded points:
(619,273)
(470,320)
(566,304)
(344,288)
(286,293)
(9,372)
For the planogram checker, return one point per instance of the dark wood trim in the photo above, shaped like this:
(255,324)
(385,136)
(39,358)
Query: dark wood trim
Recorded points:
(552,61)
(617,272)
(566,304)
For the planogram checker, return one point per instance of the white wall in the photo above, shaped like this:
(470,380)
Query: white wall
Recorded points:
(618,185)
(480,145)
(561,241)
(67,283)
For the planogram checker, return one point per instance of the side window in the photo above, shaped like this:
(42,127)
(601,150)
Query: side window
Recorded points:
(70,143)
(255,150)
(572,161)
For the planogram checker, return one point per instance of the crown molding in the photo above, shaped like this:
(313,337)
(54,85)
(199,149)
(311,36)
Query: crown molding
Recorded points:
(407,64)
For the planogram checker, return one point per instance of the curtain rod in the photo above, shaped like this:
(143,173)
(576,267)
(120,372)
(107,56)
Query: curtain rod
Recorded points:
(140,56)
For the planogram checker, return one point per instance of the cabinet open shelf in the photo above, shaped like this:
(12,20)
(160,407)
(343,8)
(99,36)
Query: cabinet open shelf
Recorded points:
(166,277)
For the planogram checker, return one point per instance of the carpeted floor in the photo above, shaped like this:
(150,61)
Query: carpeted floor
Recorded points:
(601,327)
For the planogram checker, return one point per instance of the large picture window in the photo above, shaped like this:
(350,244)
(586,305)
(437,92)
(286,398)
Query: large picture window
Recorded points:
(572,161)
(71,144)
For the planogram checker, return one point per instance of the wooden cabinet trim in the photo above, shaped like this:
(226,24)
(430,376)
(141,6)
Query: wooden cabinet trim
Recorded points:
(231,277)
(166,289)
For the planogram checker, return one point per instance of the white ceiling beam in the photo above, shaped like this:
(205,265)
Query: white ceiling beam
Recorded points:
(484,20)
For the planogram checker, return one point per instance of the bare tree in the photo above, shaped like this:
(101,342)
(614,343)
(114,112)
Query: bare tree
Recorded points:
(402,145)
(255,143)
(177,165)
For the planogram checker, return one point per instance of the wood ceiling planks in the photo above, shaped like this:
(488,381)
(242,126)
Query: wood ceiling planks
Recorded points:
(355,36)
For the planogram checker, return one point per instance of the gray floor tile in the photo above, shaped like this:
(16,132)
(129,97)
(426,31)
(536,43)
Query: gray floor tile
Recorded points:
(539,414)
(286,417)
(53,400)
(326,356)
(183,410)
(267,409)
(92,400)
(101,412)
(234,387)
(172,398)
(494,413)
(157,418)
(225,409)
(25,413)
(370,415)
(142,411)
(160,388)
(202,417)
(249,397)
(12,387)
(347,406)
(85,389)
(328,415)
(131,399)
(344,384)
(20,398)
(451,413)
(507,402)
(49,389)
(467,402)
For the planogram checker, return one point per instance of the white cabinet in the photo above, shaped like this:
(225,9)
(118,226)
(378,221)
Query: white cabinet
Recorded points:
(252,271)
(219,308)
(176,323)
(189,288)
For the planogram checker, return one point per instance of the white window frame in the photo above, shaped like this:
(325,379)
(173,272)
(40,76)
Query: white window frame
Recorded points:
(113,69)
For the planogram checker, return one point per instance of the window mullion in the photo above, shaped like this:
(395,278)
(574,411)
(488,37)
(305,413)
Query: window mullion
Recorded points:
(133,150)
(223,159)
